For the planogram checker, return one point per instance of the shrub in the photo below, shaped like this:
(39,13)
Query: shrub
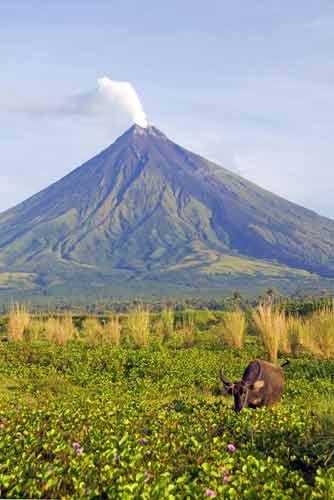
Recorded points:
(323,434)
(18,320)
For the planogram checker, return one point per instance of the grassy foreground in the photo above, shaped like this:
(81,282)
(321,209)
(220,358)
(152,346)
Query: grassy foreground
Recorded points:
(116,422)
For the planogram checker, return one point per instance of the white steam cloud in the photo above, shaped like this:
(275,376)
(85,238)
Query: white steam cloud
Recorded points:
(123,95)
(109,100)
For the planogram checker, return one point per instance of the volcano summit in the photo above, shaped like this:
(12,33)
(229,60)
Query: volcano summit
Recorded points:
(147,216)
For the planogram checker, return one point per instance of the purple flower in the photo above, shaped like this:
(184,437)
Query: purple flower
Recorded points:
(231,447)
(147,476)
(226,479)
(2,427)
(210,493)
(77,447)
(143,441)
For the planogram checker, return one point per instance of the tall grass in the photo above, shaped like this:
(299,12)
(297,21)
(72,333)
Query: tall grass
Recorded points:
(314,334)
(18,321)
(293,342)
(286,326)
(112,331)
(272,327)
(138,326)
(317,333)
(92,331)
(187,330)
(278,332)
(60,330)
(167,323)
(35,330)
(234,328)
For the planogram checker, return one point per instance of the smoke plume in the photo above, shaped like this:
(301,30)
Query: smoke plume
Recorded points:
(124,96)
(109,100)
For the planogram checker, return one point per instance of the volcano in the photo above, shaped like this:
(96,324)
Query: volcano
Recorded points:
(148,216)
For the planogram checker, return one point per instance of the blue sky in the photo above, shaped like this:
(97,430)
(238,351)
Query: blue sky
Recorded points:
(249,85)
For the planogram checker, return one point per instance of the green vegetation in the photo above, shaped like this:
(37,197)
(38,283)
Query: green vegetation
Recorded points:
(139,414)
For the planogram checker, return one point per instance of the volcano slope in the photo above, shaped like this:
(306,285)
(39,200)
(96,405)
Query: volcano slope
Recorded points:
(147,216)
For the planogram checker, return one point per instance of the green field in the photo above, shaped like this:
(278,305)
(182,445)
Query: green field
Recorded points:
(117,422)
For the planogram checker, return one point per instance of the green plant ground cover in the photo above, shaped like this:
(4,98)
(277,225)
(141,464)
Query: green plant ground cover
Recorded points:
(102,422)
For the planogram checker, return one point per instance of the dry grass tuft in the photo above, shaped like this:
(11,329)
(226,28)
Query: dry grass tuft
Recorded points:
(60,330)
(234,328)
(287,327)
(112,331)
(187,330)
(18,321)
(272,327)
(294,328)
(317,333)
(92,331)
(167,323)
(35,330)
(138,326)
